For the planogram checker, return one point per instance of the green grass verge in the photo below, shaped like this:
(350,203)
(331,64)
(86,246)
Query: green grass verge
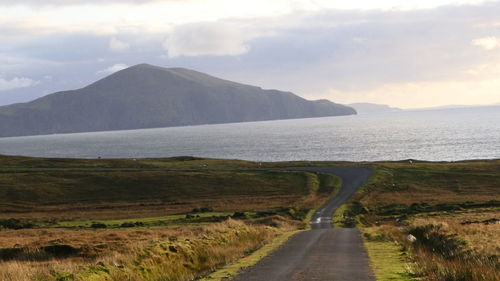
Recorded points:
(228,271)
(328,184)
(325,183)
(338,216)
(387,260)
(148,221)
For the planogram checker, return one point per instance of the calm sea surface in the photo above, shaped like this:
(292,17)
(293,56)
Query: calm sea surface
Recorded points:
(452,134)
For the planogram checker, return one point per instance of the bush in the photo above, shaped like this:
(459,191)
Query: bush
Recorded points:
(203,210)
(98,225)
(436,240)
(266,213)
(13,223)
(357,208)
(132,224)
(239,215)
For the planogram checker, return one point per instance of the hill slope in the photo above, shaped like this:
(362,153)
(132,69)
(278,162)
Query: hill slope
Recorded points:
(146,96)
(367,108)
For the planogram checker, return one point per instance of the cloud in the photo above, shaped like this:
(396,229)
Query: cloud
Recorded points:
(112,69)
(216,39)
(487,43)
(425,94)
(353,52)
(116,45)
(16,83)
(68,2)
(303,4)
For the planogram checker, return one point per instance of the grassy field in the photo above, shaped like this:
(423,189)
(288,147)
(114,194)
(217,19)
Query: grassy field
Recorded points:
(111,193)
(184,218)
(182,253)
(451,209)
(145,219)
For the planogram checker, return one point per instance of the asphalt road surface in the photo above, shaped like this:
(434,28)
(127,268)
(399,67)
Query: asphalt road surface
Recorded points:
(323,253)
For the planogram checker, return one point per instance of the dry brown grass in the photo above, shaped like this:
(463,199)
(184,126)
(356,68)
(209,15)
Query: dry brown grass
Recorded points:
(151,192)
(57,192)
(435,268)
(432,201)
(154,254)
(480,236)
(115,239)
(151,208)
(435,183)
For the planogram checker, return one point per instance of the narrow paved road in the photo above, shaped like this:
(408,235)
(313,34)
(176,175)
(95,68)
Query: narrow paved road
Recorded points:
(323,253)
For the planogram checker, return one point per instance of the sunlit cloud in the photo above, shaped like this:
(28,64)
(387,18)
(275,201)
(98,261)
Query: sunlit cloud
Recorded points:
(112,69)
(426,94)
(487,43)
(479,86)
(109,17)
(356,49)
(52,3)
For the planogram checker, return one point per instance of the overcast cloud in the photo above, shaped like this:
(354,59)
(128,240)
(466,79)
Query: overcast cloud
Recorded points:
(68,2)
(199,39)
(112,69)
(15,83)
(404,57)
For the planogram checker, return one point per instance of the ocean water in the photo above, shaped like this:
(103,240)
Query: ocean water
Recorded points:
(437,135)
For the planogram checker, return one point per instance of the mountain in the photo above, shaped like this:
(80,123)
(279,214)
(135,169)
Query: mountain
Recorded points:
(146,96)
(367,108)
(443,107)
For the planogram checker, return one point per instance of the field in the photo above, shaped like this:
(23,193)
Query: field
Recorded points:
(184,218)
(102,190)
(144,219)
(452,210)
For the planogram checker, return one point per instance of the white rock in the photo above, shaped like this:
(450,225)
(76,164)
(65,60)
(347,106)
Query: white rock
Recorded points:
(411,238)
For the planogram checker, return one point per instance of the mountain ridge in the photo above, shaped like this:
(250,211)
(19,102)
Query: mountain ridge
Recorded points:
(148,96)
(368,108)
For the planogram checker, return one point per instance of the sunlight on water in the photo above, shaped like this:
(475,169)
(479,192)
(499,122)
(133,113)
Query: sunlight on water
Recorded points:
(446,135)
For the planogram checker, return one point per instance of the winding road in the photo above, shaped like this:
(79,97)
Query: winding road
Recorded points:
(323,253)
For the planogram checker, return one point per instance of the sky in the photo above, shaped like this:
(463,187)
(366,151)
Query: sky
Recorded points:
(407,54)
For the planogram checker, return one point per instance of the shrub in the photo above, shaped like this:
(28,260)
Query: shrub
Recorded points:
(435,239)
(239,215)
(202,210)
(13,223)
(98,225)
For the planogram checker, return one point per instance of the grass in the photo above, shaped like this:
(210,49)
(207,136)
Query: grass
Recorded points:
(326,185)
(387,261)
(446,206)
(435,183)
(110,193)
(232,269)
(27,163)
(181,254)
(471,225)
(58,200)
(146,222)
(338,216)
(69,187)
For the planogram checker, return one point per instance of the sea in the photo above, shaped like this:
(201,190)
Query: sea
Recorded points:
(434,135)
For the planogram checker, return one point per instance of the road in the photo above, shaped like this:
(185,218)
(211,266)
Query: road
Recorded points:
(323,253)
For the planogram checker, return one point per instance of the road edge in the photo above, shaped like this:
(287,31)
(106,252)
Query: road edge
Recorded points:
(231,270)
